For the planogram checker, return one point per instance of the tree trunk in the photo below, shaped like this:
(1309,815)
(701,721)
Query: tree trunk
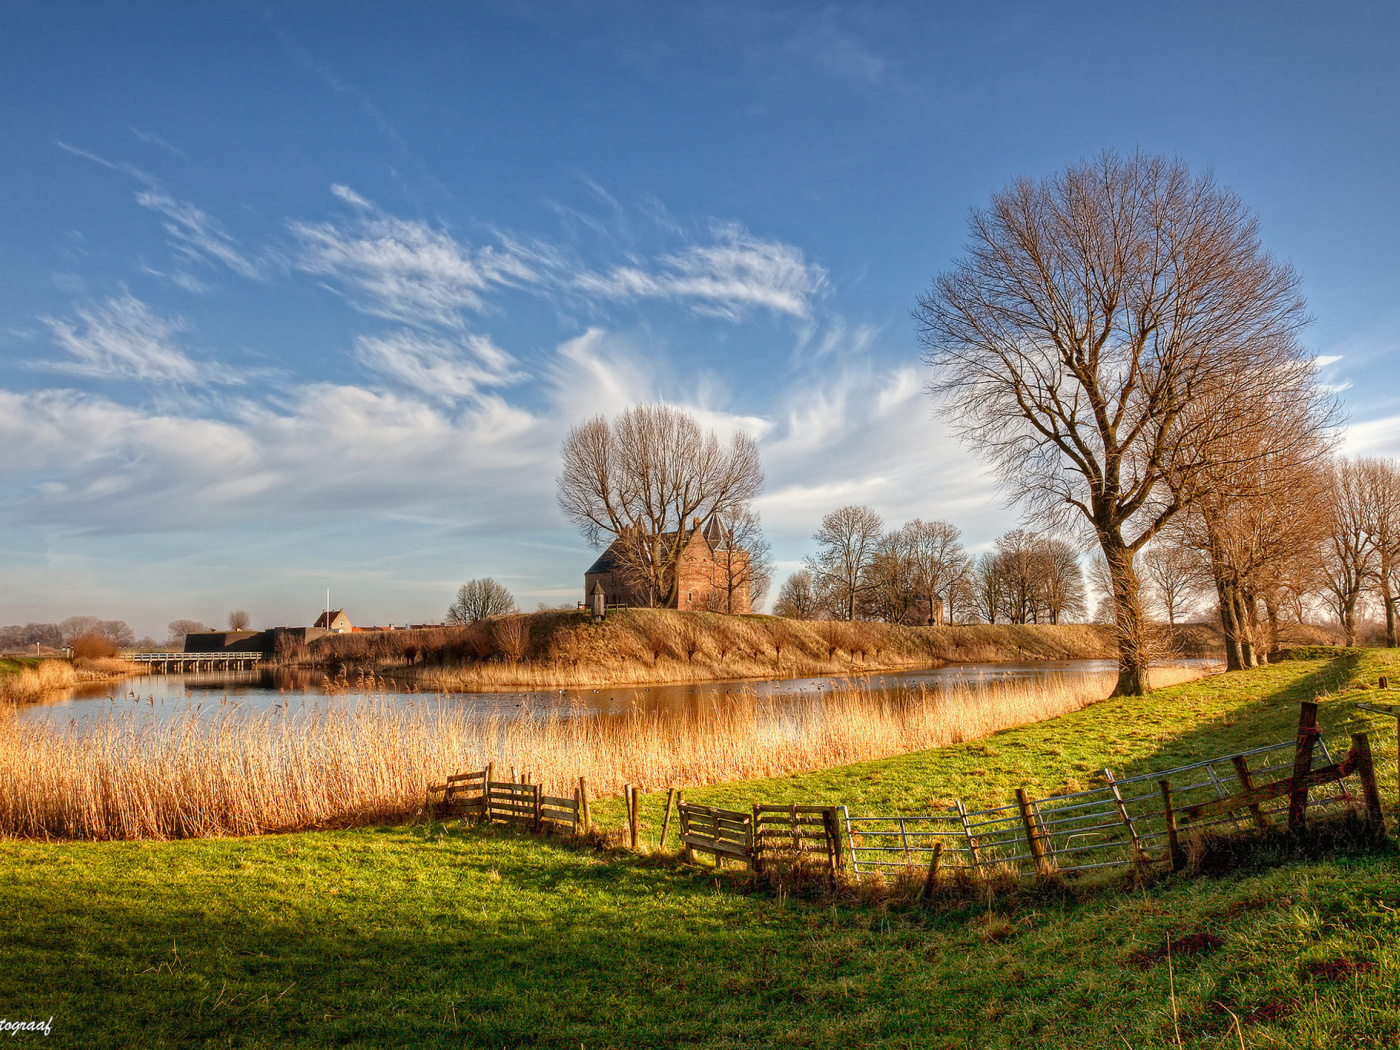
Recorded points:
(1132,627)
(1229,611)
(1244,620)
(1271,611)
(1388,600)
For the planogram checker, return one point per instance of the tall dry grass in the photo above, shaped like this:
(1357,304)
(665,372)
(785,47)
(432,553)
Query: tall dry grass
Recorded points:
(368,760)
(32,682)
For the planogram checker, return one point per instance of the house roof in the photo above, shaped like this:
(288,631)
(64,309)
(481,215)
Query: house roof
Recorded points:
(326,619)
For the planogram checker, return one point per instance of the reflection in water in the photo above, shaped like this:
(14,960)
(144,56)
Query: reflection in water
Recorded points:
(164,696)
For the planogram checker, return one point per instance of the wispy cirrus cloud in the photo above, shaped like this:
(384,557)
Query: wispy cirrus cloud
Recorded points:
(402,269)
(195,235)
(729,277)
(123,338)
(408,271)
(441,369)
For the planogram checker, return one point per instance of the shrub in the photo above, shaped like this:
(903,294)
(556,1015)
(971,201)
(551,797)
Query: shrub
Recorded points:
(93,646)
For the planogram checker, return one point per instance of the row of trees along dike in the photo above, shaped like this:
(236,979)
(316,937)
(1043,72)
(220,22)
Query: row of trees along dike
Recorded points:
(1295,536)
(1115,341)
(920,573)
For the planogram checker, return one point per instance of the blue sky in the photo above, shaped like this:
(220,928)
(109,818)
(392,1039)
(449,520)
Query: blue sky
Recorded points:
(306,297)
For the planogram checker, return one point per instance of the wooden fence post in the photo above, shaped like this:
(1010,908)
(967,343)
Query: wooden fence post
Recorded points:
(666,820)
(1247,783)
(1302,763)
(932,870)
(536,799)
(756,847)
(685,827)
(1361,747)
(973,853)
(583,801)
(1174,850)
(1124,815)
(833,834)
(578,812)
(631,794)
(1028,818)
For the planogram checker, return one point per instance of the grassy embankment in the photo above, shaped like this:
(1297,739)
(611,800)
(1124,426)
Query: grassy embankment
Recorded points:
(430,936)
(561,649)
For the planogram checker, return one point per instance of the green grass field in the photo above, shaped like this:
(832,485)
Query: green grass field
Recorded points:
(432,936)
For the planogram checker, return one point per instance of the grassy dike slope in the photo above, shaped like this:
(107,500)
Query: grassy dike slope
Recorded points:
(423,936)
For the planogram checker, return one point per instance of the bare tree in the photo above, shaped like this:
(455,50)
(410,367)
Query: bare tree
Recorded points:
(179,629)
(1380,479)
(644,476)
(238,620)
(1174,572)
(1022,568)
(1350,556)
(937,562)
(988,587)
(1061,594)
(797,598)
(479,599)
(889,593)
(77,627)
(847,544)
(1094,314)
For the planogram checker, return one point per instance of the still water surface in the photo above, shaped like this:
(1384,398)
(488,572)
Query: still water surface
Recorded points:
(166,696)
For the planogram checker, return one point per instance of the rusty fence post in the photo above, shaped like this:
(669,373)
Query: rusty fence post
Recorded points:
(1302,765)
(1033,832)
(1361,747)
(1247,783)
(1176,854)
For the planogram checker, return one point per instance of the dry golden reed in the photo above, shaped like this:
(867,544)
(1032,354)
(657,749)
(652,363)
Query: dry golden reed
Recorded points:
(32,682)
(366,759)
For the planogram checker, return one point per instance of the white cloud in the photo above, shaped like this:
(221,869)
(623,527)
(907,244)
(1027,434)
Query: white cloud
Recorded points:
(408,271)
(122,338)
(727,278)
(446,370)
(197,236)
(403,269)
(89,464)
(1374,437)
(349,196)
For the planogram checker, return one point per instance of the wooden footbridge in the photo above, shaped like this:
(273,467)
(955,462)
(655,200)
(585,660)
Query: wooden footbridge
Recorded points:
(165,663)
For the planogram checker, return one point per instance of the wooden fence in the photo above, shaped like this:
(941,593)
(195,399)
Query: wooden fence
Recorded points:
(727,834)
(1127,820)
(518,801)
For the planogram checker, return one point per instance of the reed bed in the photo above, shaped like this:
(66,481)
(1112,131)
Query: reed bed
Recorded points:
(364,759)
(32,681)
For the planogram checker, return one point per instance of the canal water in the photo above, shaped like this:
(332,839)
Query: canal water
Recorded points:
(176,695)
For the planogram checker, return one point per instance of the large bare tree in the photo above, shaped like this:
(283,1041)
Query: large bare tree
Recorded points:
(1094,311)
(644,477)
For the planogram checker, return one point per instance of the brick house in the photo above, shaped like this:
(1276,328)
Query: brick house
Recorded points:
(335,621)
(712,572)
